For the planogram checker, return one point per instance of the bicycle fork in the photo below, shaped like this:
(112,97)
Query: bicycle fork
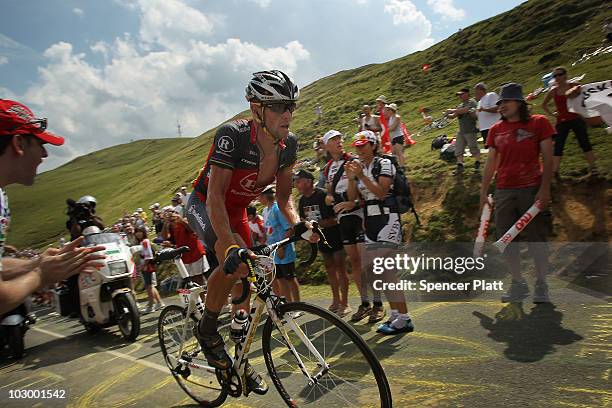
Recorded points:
(324,367)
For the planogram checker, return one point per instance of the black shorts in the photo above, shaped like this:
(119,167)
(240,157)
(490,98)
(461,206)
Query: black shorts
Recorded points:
(484,134)
(334,239)
(351,229)
(397,140)
(285,271)
(579,127)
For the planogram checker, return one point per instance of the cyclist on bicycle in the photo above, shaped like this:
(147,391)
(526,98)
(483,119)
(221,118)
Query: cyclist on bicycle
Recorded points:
(246,157)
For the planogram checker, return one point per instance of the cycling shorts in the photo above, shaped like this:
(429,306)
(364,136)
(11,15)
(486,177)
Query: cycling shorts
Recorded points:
(383,229)
(199,222)
(334,239)
(351,229)
(285,271)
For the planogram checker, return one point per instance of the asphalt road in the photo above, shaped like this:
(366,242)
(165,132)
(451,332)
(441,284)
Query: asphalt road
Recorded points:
(462,354)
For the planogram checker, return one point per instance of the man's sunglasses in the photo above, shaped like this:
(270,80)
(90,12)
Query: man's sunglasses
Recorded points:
(558,74)
(280,108)
(41,124)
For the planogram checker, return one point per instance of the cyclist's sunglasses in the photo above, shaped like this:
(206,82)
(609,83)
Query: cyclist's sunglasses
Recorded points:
(558,74)
(280,108)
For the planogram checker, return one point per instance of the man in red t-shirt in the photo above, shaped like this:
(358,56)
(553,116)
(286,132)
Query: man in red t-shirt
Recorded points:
(515,146)
(178,232)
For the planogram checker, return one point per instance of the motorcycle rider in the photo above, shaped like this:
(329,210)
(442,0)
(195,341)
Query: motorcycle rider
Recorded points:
(22,139)
(81,215)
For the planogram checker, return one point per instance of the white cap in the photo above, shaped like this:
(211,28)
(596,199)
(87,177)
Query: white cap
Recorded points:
(139,209)
(364,137)
(329,135)
(392,106)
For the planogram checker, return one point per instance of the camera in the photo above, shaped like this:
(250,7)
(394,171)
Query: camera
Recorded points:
(82,213)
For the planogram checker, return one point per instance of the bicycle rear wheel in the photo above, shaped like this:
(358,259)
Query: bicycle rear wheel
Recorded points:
(200,384)
(354,377)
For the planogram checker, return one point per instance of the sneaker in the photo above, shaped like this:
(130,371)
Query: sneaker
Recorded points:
(343,311)
(149,309)
(214,351)
(161,305)
(333,308)
(517,292)
(540,292)
(377,314)
(361,312)
(458,170)
(254,381)
(391,328)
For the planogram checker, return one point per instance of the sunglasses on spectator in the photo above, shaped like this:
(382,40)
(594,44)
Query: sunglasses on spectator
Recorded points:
(558,74)
(280,108)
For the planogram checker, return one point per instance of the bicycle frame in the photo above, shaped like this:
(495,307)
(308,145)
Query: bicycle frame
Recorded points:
(264,299)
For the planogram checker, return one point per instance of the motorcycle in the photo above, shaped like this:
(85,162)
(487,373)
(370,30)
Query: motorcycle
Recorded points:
(13,326)
(106,297)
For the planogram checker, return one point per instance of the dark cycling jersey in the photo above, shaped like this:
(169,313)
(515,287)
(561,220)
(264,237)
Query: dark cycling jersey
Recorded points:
(234,148)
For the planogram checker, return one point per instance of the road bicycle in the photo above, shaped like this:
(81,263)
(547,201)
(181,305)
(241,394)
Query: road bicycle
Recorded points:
(313,357)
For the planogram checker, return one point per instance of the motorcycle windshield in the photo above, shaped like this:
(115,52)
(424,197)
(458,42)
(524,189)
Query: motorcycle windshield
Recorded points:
(102,238)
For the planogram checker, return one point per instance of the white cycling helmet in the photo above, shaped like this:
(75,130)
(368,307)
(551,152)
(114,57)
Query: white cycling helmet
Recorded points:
(271,86)
(91,230)
(87,199)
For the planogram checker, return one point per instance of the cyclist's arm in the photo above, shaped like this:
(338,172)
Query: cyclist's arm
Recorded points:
(218,184)
(284,183)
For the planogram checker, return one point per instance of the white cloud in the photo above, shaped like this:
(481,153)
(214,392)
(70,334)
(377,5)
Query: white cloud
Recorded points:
(447,9)
(143,87)
(262,3)
(405,12)
(3,60)
(79,12)
(172,23)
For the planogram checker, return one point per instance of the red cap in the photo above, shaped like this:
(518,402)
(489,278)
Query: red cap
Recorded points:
(18,119)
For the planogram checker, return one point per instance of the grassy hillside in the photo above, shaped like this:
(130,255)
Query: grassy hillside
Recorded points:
(520,45)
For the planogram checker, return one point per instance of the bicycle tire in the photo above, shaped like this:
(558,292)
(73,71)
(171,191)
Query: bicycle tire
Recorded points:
(180,379)
(358,344)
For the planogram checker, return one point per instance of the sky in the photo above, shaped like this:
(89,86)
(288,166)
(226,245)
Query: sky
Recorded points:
(107,72)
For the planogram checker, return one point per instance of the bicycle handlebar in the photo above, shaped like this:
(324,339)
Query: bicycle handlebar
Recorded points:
(267,250)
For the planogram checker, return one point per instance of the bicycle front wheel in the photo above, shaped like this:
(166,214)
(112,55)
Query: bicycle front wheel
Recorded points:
(317,359)
(174,331)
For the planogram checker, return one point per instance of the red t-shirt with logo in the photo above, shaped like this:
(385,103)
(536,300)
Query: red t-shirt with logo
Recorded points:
(518,147)
(181,236)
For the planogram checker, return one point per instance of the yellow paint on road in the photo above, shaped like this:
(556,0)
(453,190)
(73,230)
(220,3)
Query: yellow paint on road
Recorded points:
(90,397)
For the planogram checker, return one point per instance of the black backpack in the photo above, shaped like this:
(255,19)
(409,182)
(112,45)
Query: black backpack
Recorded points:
(447,153)
(439,142)
(401,186)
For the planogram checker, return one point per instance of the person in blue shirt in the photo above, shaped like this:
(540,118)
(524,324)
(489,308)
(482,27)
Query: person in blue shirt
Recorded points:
(285,284)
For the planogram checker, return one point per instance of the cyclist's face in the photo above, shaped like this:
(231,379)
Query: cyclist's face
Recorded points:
(278,123)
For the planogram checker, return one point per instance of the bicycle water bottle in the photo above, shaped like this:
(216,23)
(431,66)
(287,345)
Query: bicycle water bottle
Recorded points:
(239,325)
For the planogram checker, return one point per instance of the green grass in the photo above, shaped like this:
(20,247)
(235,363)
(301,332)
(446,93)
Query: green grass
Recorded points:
(520,45)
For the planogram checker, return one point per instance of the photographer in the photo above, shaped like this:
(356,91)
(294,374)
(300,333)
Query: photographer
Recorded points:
(22,139)
(80,216)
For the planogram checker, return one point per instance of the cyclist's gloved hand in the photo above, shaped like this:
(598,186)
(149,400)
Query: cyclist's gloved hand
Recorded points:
(235,257)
